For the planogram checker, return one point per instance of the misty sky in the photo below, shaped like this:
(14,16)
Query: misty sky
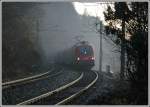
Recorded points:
(93,9)
(54,27)
(62,23)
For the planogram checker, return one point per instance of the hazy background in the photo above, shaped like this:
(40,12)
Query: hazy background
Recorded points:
(60,25)
(33,33)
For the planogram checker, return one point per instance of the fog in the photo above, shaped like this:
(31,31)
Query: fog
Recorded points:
(60,25)
(56,25)
(35,36)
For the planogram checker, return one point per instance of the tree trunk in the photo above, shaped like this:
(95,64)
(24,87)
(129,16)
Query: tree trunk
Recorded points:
(122,58)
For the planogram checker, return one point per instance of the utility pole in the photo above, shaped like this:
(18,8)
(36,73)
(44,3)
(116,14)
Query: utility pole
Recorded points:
(99,29)
(100,50)
(37,30)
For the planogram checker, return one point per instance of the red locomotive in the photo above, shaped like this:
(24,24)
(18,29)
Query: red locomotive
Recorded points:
(84,54)
(80,55)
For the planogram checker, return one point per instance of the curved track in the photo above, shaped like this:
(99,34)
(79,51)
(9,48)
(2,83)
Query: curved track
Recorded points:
(41,97)
(17,89)
(65,93)
(25,80)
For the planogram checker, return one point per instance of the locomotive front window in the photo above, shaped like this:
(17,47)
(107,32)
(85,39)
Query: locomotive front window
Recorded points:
(86,51)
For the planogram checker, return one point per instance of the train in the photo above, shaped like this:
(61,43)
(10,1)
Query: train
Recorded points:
(80,55)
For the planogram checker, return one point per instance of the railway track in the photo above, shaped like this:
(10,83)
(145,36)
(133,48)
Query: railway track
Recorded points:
(65,93)
(26,80)
(21,92)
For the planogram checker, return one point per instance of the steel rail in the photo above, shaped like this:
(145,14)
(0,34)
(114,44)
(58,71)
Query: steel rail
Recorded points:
(79,92)
(51,92)
(19,81)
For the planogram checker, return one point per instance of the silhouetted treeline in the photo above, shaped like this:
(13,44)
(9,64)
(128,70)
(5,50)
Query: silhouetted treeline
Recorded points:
(19,50)
(133,36)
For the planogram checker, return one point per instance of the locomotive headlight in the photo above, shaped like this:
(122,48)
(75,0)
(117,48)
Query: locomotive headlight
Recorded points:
(93,58)
(78,58)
